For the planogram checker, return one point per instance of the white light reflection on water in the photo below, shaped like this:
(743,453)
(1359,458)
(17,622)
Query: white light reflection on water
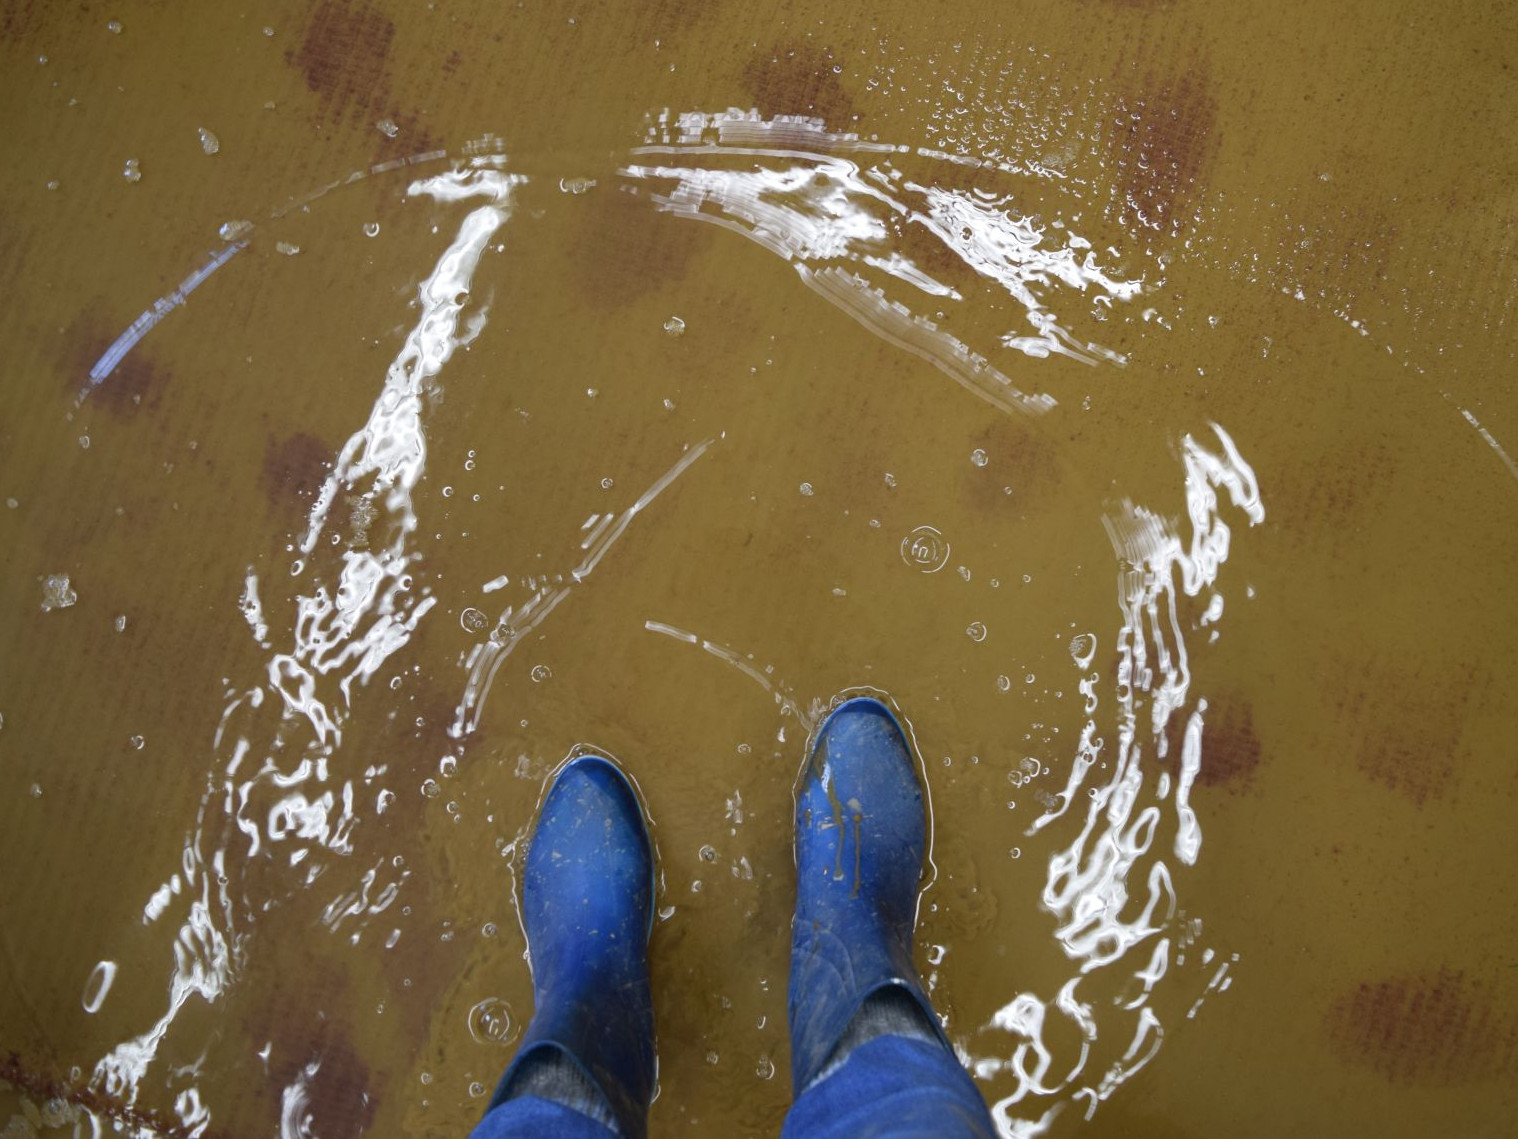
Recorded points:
(842,212)
(840,209)
(764,676)
(298,802)
(485,660)
(1110,888)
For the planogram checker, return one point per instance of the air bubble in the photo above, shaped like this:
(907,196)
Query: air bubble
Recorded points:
(976,631)
(979,457)
(473,620)
(1083,649)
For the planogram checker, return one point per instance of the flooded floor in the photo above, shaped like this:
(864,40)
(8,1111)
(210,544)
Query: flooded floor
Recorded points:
(400,397)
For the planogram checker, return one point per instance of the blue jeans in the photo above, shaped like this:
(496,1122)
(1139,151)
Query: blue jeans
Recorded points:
(891,1087)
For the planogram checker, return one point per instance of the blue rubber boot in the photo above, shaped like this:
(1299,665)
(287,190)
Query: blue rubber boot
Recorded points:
(860,834)
(587,906)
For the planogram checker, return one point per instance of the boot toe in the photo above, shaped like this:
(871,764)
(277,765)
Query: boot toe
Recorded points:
(589,872)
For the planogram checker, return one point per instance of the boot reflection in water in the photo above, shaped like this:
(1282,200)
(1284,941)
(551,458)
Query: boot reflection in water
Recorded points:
(868,1056)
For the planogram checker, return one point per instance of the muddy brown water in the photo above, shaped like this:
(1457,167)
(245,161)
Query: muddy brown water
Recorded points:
(1123,389)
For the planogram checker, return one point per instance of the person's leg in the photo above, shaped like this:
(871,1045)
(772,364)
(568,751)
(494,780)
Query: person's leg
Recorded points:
(585,1066)
(868,1056)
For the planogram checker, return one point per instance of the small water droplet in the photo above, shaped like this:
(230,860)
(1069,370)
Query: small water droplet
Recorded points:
(765,1069)
(806,489)
(1015,853)
(447,492)
(114,27)
(976,631)
(476,1089)
(607,484)
(371,229)
(1004,683)
(56,593)
(430,788)
(1083,649)
(84,442)
(132,172)
(137,742)
(120,622)
(925,549)
(208,141)
(890,479)
(540,673)
(288,248)
(232,230)
(979,457)
(674,326)
(576,185)
(473,620)
(387,128)
(708,853)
